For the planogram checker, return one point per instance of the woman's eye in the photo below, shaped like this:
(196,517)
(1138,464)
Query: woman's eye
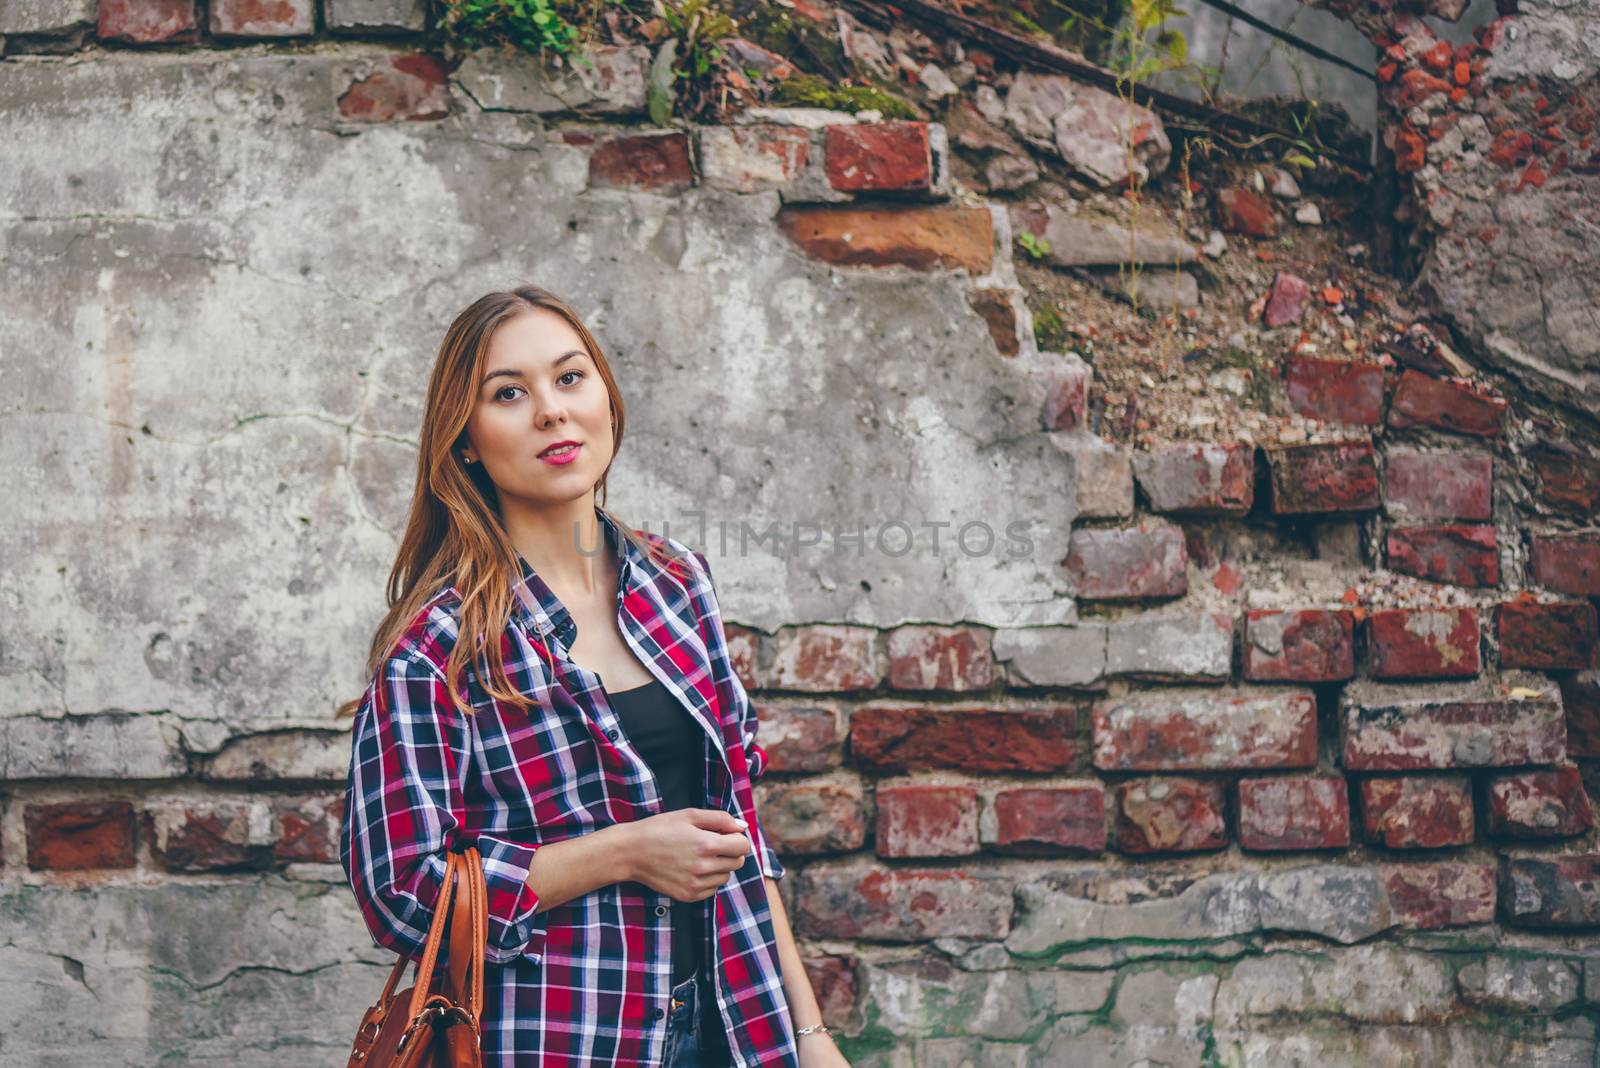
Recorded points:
(501,391)
(578,373)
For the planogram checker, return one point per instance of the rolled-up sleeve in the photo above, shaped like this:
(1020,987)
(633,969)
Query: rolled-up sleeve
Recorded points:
(405,807)
(728,683)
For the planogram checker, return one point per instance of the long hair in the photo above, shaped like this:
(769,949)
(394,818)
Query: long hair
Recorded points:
(454,535)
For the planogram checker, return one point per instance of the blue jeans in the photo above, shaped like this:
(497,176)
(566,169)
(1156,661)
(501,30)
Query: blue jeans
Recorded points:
(695,1036)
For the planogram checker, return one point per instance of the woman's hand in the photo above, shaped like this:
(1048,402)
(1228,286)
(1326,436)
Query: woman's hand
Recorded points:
(818,1051)
(686,853)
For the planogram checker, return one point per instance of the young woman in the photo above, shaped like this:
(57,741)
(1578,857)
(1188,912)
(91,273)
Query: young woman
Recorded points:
(555,689)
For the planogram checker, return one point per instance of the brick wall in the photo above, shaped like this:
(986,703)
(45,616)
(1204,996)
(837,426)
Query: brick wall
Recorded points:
(1295,763)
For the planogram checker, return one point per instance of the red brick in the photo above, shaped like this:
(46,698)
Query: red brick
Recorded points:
(1421,486)
(1169,816)
(744,650)
(209,836)
(1566,563)
(1427,897)
(1479,724)
(1423,643)
(903,739)
(799,737)
(1192,729)
(1547,803)
(940,658)
(826,658)
(834,982)
(148,21)
(879,156)
(1568,481)
(1337,391)
(1417,811)
(262,18)
(1446,404)
(410,88)
(1286,300)
(901,904)
(748,159)
(1333,477)
(1303,645)
(1294,812)
(1111,563)
(308,830)
(1549,637)
(1552,891)
(658,162)
(1456,553)
(924,238)
(812,817)
(1066,399)
(1244,211)
(1580,697)
(1202,479)
(1051,820)
(79,835)
(927,821)
(994,308)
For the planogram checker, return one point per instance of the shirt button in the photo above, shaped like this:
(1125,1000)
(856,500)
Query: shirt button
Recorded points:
(612,733)
(661,910)
(659,1013)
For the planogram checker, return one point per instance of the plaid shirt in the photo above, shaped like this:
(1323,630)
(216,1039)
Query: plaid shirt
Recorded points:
(586,982)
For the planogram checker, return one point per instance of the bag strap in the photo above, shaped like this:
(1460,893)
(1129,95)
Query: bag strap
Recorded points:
(469,932)
(430,953)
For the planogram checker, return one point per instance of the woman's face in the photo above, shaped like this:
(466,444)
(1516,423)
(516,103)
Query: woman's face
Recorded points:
(540,388)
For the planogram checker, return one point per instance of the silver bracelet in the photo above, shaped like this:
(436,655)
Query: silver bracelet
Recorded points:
(820,1028)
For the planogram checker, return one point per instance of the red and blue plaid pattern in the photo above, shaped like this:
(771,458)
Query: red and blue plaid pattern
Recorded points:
(586,982)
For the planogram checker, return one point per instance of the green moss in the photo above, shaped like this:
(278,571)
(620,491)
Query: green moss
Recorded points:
(810,91)
(1049,329)
(800,41)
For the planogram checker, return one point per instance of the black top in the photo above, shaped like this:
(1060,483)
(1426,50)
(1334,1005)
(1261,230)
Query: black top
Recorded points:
(672,742)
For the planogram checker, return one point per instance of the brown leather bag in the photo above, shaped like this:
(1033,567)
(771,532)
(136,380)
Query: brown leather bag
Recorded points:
(435,1024)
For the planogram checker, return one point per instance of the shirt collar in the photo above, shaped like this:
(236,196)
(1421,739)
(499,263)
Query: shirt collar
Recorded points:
(537,607)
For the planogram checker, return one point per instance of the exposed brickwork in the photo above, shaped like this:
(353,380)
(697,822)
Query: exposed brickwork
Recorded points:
(1294,812)
(1308,479)
(1305,645)
(1109,563)
(925,238)
(77,835)
(1417,812)
(1451,726)
(904,739)
(1197,729)
(821,659)
(1455,553)
(1458,406)
(1419,486)
(879,157)
(927,821)
(1546,636)
(1336,391)
(940,658)
(1051,820)
(1423,643)
(1169,815)
(1547,803)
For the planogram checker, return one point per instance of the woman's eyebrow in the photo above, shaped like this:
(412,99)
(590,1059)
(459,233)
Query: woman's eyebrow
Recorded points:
(512,372)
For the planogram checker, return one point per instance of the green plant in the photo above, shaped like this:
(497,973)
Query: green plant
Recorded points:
(530,25)
(1034,245)
(808,90)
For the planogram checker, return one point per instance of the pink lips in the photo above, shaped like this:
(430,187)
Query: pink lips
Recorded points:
(565,457)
